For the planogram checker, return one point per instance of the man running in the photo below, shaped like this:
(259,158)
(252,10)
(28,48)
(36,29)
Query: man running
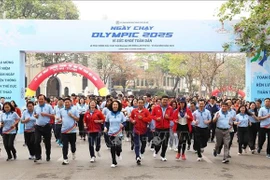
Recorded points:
(162,114)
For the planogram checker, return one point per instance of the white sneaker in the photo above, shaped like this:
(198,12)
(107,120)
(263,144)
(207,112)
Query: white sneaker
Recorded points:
(31,158)
(170,148)
(92,159)
(154,155)
(163,159)
(142,156)
(98,154)
(113,165)
(127,139)
(73,156)
(65,162)
(120,158)
(239,154)
(152,149)
(176,149)
(138,160)
(37,160)
(199,159)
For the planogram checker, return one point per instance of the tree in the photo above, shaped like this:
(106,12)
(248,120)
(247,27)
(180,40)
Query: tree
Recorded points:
(126,69)
(104,64)
(39,9)
(253,31)
(43,9)
(232,73)
(210,65)
(156,66)
(177,67)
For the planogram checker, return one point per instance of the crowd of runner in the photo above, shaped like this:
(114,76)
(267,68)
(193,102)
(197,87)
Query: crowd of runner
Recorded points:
(161,122)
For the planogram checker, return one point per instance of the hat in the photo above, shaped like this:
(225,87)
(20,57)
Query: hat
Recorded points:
(182,100)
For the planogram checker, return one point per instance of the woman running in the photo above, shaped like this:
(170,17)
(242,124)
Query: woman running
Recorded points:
(129,126)
(29,131)
(255,126)
(9,120)
(82,108)
(173,141)
(182,119)
(93,120)
(242,121)
(115,122)
(106,111)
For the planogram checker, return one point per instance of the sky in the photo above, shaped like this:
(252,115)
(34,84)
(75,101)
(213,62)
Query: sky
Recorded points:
(147,10)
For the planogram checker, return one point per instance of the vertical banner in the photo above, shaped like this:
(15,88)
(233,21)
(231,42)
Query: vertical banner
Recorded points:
(11,75)
(258,76)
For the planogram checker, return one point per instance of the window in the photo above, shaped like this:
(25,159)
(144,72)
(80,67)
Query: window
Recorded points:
(25,79)
(66,91)
(85,59)
(138,82)
(142,81)
(146,83)
(172,82)
(84,83)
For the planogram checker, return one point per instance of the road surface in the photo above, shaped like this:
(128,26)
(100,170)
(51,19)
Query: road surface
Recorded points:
(247,166)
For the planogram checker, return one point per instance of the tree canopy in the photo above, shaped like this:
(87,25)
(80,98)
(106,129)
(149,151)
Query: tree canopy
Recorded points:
(253,31)
(38,9)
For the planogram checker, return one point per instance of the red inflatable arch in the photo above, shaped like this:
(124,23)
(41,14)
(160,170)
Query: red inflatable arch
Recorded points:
(217,91)
(66,67)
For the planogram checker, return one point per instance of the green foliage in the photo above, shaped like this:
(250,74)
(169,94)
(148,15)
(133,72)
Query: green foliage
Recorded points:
(254,31)
(44,9)
(39,9)
(177,64)
(232,73)
(160,93)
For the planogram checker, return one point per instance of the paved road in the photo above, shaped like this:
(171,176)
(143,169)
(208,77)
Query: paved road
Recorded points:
(247,166)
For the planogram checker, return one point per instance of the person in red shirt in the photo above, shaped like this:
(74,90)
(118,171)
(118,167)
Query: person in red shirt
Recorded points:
(18,111)
(124,102)
(74,99)
(93,120)
(182,118)
(162,114)
(54,102)
(140,117)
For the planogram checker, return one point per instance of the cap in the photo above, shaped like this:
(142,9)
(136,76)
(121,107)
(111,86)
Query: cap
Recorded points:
(182,100)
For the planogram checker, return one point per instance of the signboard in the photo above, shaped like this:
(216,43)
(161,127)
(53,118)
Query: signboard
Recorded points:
(20,36)
(258,77)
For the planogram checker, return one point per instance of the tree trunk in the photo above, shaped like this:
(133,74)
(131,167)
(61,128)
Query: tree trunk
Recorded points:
(209,87)
(190,86)
(176,83)
(124,83)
